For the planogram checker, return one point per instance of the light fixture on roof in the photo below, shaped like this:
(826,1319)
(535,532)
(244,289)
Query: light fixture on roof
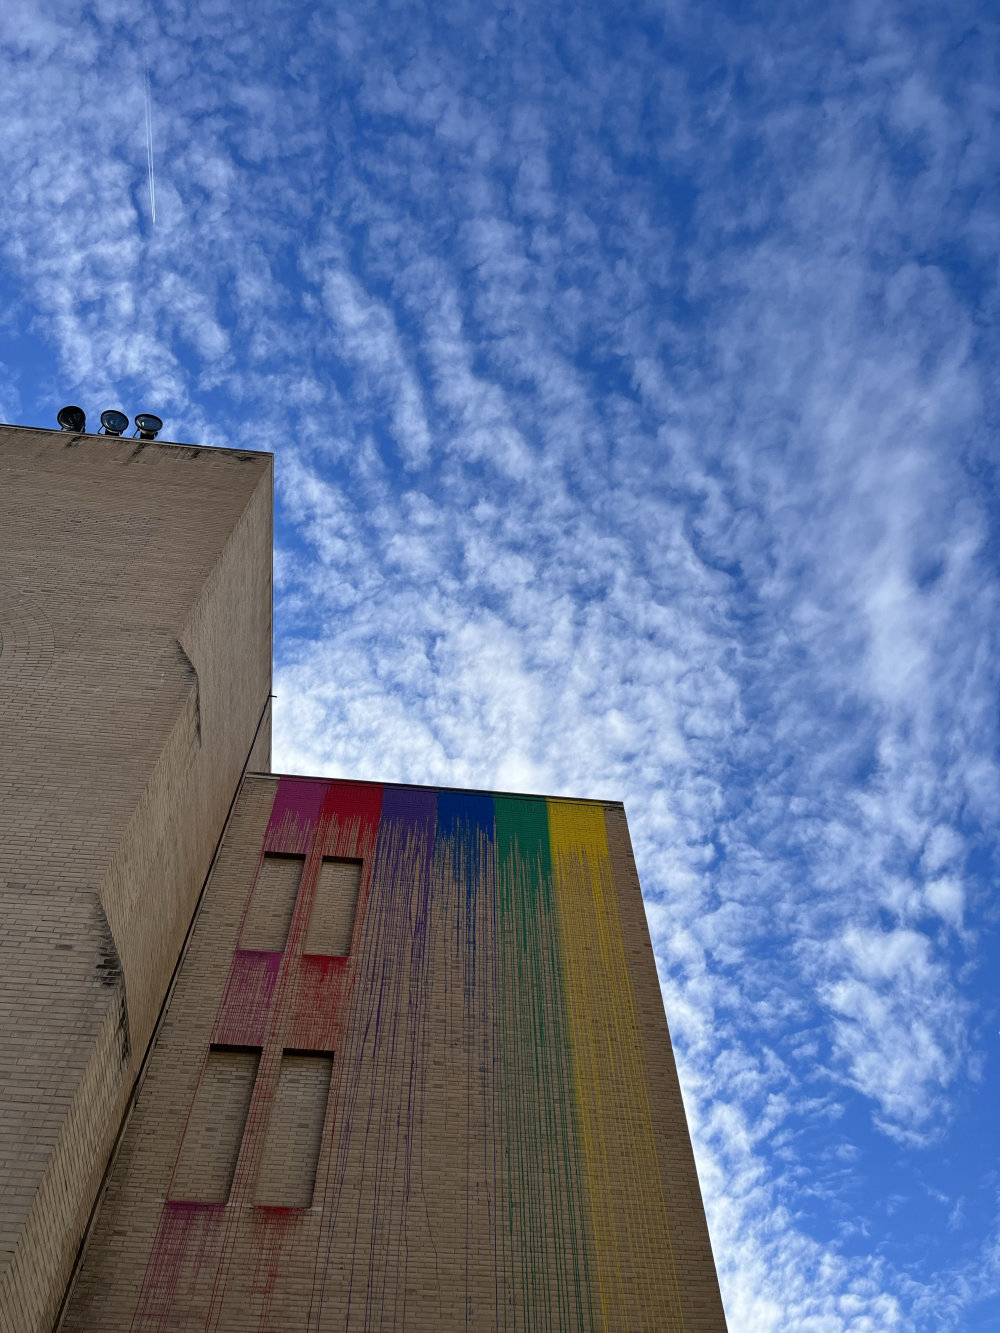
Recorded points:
(148,426)
(72,418)
(114,423)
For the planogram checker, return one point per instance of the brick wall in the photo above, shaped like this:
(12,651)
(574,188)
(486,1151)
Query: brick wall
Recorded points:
(468,1117)
(134,667)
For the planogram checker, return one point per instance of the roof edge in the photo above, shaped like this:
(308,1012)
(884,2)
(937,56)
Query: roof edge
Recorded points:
(434,786)
(150,444)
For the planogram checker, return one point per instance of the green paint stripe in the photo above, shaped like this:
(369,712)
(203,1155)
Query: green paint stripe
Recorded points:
(544,1184)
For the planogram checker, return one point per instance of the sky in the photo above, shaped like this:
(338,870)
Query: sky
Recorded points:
(630,371)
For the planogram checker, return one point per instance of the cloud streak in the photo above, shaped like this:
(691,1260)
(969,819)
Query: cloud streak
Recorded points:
(149,144)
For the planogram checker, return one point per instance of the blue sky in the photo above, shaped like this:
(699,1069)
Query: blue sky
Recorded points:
(631,373)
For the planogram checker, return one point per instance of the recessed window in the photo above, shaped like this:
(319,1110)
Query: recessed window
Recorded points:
(287,1173)
(211,1144)
(269,916)
(331,921)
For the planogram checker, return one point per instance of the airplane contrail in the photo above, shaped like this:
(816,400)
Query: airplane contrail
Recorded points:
(149,144)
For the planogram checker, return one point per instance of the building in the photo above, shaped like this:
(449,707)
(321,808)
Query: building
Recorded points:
(287,1053)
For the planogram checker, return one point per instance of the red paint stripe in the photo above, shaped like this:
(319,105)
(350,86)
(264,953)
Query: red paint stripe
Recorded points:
(345,802)
(275,1001)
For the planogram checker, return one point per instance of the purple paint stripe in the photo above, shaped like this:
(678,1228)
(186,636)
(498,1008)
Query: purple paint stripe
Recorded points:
(395,924)
(418,809)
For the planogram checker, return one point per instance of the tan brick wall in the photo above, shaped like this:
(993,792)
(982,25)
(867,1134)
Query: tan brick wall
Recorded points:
(413,1155)
(260,756)
(108,1287)
(690,1243)
(134,665)
(287,1174)
(214,1131)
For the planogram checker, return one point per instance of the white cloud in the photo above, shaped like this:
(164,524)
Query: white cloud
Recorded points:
(899,1027)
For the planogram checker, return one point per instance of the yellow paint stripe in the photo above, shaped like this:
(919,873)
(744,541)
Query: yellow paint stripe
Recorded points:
(635,1265)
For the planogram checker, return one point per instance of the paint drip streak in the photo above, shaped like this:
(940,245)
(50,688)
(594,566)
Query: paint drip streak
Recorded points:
(379,1059)
(635,1266)
(488,1159)
(546,1223)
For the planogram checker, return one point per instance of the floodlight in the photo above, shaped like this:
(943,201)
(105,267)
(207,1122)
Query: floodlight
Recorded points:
(148,426)
(72,418)
(114,422)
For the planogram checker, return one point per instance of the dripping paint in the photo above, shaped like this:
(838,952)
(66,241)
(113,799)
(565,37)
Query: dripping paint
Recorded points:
(489,1158)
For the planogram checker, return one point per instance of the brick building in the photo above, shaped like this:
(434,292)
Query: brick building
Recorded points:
(285,1053)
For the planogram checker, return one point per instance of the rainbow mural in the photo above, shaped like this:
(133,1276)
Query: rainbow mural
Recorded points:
(489,1159)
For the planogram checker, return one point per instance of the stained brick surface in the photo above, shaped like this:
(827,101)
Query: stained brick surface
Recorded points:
(472,1120)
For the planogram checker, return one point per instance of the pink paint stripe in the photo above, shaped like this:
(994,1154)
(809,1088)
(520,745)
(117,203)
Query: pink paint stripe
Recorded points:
(294,815)
(242,1016)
